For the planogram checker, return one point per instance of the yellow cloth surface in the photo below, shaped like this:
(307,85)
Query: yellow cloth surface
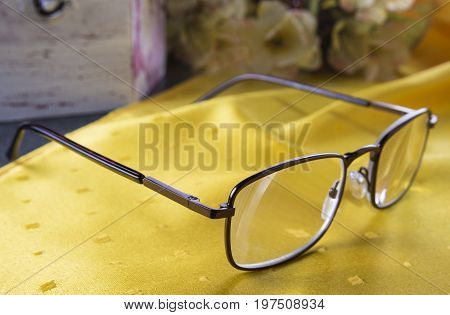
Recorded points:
(70,226)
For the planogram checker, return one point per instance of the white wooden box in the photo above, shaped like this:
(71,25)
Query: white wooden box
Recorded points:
(82,60)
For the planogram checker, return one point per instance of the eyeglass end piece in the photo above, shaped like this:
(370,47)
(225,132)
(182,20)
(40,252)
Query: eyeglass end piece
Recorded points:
(13,151)
(433,120)
(9,155)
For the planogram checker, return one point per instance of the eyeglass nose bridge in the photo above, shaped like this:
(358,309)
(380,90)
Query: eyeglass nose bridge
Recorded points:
(349,157)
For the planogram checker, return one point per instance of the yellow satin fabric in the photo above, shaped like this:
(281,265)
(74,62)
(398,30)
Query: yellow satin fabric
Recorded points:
(71,227)
(100,233)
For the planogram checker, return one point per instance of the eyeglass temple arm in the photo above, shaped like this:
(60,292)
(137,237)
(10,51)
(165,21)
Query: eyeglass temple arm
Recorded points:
(397,109)
(186,200)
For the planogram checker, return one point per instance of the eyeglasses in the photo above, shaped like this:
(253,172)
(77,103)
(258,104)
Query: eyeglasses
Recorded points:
(281,212)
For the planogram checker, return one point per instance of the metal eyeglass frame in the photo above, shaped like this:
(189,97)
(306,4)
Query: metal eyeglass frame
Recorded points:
(226,210)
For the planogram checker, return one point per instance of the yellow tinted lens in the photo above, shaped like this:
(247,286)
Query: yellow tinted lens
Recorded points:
(399,160)
(283,213)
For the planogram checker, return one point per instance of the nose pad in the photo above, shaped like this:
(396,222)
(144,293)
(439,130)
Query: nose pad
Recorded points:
(358,183)
(331,201)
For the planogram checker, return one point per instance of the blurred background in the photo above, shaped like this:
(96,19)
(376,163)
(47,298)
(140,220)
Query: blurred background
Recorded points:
(65,63)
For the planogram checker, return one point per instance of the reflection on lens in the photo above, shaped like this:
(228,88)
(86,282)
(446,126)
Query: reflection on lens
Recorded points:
(399,160)
(283,213)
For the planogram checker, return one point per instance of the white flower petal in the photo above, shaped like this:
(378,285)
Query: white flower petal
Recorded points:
(399,5)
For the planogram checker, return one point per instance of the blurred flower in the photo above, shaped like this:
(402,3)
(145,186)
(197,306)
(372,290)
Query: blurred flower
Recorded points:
(283,37)
(349,42)
(389,5)
(376,14)
(365,41)
(276,40)
(398,5)
(352,5)
(192,26)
